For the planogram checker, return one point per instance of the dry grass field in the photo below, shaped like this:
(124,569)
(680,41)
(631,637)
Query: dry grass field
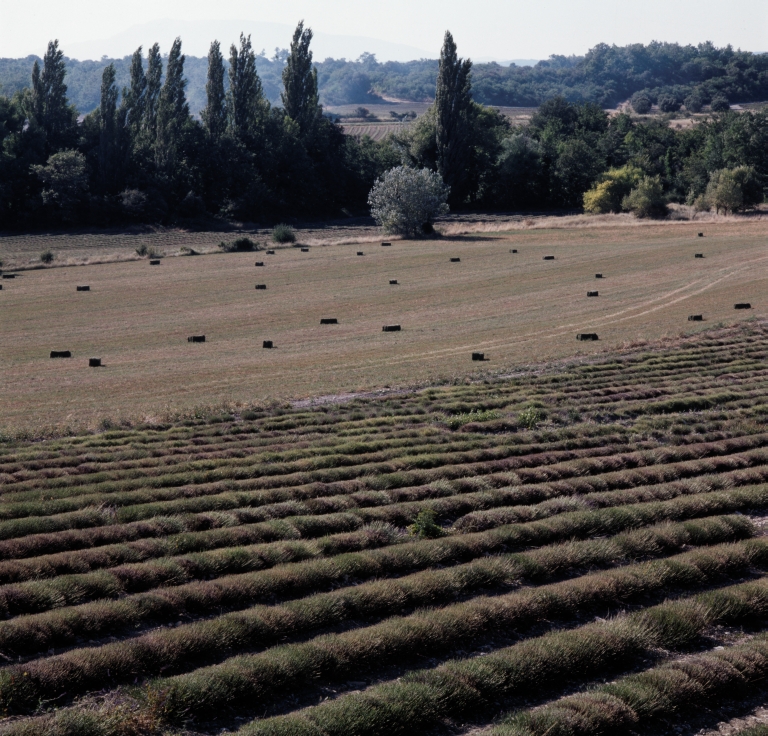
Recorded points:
(516,307)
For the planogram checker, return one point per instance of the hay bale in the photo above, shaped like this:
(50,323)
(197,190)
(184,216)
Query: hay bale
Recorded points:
(696,318)
(305,250)
(61,354)
(154,262)
(393,281)
(455,260)
(360,253)
(742,305)
(598,275)
(259,263)
(83,288)
(261,286)
(385,245)
(196,338)
(1,287)
(329,321)
(701,235)
(267,344)
(549,258)
(587,336)
(592,293)
(9,275)
(478,356)
(698,255)
(391,328)
(270,252)
(94,362)
(513,250)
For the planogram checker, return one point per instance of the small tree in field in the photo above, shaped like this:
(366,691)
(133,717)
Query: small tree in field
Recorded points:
(406,201)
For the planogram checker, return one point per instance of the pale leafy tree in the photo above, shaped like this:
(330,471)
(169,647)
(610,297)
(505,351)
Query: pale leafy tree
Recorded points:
(646,199)
(65,183)
(49,106)
(246,96)
(732,190)
(215,113)
(406,201)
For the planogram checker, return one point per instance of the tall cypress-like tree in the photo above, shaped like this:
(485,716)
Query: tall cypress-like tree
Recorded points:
(300,98)
(454,114)
(107,129)
(152,96)
(135,97)
(215,113)
(172,111)
(49,97)
(246,96)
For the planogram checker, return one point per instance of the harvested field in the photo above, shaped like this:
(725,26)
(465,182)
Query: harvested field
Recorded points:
(579,549)
(516,309)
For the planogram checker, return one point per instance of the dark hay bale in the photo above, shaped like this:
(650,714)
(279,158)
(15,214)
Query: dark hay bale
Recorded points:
(598,275)
(549,258)
(696,318)
(587,336)
(9,275)
(393,281)
(329,321)
(1,287)
(270,252)
(455,260)
(478,356)
(698,255)
(196,338)
(385,245)
(742,305)
(267,344)
(261,286)
(259,263)
(305,250)
(94,362)
(701,235)
(391,328)
(61,354)
(592,293)
(83,288)
(360,253)
(513,250)
(154,262)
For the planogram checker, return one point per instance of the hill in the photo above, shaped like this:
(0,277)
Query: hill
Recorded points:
(606,75)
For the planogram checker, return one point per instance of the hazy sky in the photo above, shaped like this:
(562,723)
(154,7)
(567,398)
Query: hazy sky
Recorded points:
(502,29)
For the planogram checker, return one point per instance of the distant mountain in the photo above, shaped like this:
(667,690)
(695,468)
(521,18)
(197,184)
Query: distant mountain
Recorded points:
(196,36)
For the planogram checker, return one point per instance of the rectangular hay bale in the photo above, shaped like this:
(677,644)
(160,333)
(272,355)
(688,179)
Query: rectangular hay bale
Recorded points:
(329,321)
(196,338)
(478,356)
(742,305)
(267,344)
(154,262)
(587,336)
(61,353)
(305,250)
(391,328)
(696,318)
(94,362)
(385,245)
(393,281)
(261,286)
(698,255)
(455,260)
(83,288)
(270,252)
(592,293)
(259,263)
(548,258)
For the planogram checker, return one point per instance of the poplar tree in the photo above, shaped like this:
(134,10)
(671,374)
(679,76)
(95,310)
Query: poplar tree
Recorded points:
(246,96)
(152,95)
(300,98)
(135,97)
(454,114)
(107,128)
(215,113)
(49,97)
(172,110)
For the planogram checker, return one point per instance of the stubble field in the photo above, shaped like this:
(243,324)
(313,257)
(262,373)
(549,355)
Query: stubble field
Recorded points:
(515,307)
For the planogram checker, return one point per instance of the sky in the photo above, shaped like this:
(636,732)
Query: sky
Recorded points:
(483,29)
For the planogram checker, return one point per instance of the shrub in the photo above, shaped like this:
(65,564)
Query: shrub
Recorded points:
(47,256)
(641,103)
(283,233)
(646,199)
(406,201)
(720,104)
(530,417)
(238,246)
(693,103)
(147,251)
(608,193)
(425,525)
(667,103)
(731,190)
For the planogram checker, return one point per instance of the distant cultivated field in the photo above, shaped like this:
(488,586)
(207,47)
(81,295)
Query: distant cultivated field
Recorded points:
(516,308)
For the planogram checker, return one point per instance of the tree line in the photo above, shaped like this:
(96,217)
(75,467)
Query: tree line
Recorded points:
(141,156)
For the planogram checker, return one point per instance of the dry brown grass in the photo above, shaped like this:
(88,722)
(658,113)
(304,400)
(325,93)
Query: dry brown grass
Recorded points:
(517,308)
